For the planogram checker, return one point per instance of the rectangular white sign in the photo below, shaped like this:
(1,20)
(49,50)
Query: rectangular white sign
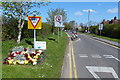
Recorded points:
(40,45)
(58,21)
(100,26)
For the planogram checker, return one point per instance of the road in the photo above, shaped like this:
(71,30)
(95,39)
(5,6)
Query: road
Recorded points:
(91,59)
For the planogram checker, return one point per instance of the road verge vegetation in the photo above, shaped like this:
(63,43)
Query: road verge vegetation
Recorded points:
(102,37)
(50,68)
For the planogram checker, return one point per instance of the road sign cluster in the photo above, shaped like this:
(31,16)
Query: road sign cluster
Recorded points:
(35,22)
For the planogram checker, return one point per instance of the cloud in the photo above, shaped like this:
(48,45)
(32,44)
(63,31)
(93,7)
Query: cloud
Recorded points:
(113,10)
(78,13)
(91,10)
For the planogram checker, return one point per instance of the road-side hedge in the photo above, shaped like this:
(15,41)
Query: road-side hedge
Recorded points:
(10,29)
(109,30)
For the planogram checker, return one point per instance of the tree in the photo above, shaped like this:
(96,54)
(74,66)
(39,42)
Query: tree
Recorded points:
(72,23)
(9,30)
(20,10)
(67,26)
(52,12)
(81,24)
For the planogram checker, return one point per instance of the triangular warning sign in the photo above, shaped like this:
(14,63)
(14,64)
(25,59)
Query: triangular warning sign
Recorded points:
(34,21)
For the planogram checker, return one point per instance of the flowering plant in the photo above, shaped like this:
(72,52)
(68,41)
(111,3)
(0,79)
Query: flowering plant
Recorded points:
(21,55)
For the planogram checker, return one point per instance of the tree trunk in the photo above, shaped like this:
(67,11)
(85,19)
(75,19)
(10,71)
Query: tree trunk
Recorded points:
(19,35)
(20,32)
(53,30)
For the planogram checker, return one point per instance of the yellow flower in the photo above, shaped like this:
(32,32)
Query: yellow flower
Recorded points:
(34,60)
(10,61)
(29,56)
(26,61)
(35,56)
(18,61)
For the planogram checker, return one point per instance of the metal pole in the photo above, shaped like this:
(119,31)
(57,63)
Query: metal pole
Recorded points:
(100,32)
(88,19)
(61,32)
(58,34)
(34,37)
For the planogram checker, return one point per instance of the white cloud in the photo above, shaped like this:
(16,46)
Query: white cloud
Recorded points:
(113,10)
(78,13)
(91,10)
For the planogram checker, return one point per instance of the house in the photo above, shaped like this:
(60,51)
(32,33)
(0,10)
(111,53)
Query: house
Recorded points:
(112,21)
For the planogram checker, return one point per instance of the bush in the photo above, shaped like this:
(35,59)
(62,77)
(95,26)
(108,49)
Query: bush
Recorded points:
(109,30)
(9,28)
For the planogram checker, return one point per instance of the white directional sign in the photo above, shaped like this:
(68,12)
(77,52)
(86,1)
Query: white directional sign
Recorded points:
(100,26)
(58,21)
(40,45)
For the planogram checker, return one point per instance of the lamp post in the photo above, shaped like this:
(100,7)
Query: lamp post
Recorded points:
(88,19)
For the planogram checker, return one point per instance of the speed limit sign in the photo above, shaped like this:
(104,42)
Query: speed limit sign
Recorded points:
(58,21)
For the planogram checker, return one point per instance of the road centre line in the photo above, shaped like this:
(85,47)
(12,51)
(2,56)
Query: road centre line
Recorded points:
(83,55)
(95,56)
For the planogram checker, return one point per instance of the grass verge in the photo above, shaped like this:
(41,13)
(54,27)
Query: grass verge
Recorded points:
(50,68)
(103,37)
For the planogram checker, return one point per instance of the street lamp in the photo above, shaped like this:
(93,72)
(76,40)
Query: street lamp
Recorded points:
(88,20)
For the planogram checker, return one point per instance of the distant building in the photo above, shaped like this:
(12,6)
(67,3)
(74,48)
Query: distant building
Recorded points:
(112,21)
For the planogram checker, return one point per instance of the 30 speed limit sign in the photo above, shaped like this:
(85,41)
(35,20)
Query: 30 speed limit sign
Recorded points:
(58,21)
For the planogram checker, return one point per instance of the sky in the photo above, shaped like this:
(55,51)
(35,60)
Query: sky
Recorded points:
(78,11)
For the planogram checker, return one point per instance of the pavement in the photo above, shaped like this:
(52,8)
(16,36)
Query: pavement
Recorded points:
(91,59)
(108,41)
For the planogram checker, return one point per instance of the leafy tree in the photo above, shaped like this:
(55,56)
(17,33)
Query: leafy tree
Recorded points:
(9,30)
(52,12)
(20,10)
(72,23)
(67,26)
(81,24)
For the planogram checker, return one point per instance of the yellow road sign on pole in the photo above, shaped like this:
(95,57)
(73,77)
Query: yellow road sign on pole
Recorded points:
(34,22)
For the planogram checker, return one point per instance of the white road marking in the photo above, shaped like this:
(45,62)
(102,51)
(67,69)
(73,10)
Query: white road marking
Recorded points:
(83,55)
(96,56)
(111,56)
(93,69)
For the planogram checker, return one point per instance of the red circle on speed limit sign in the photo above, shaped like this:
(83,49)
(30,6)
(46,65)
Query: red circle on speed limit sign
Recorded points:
(58,18)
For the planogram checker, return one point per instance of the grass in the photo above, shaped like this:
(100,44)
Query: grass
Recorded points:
(50,68)
(103,37)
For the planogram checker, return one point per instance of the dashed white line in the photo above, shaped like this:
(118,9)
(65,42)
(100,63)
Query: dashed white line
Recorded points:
(111,56)
(83,55)
(96,56)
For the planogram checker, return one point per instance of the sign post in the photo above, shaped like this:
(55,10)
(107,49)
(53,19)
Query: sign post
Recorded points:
(34,22)
(34,37)
(58,23)
(100,28)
